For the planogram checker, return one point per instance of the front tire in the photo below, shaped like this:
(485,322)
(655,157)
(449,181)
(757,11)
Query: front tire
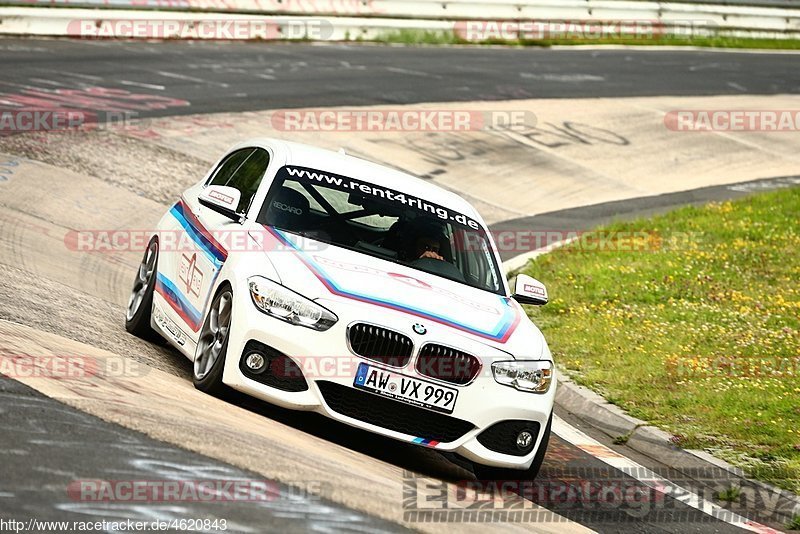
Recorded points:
(140,303)
(483,472)
(212,345)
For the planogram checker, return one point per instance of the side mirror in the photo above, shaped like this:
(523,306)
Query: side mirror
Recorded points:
(222,199)
(528,290)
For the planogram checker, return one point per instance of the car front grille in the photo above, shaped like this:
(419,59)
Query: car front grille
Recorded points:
(380,344)
(391,414)
(447,364)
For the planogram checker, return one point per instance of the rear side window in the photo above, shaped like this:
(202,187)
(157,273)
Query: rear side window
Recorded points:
(243,170)
(229,166)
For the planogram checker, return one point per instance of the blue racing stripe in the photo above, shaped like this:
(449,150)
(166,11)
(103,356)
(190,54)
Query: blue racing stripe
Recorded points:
(190,315)
(199,235)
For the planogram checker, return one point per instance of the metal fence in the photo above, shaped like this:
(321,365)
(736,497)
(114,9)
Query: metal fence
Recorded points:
(462,9)
(369,18)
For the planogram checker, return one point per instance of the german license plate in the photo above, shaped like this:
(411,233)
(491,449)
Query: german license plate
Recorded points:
(405,388)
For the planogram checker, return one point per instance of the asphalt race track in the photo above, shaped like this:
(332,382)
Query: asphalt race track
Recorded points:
(47,444)
(241,77)
(52,443)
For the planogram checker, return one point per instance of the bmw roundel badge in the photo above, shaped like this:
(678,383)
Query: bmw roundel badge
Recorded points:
(420,329)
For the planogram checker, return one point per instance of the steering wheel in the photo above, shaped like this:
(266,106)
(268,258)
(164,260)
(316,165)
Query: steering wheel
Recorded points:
(434,266)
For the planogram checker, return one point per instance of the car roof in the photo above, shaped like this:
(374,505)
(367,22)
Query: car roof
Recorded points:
(360,169)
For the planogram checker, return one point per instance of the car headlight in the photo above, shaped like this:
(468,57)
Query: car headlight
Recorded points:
(282,303)
(534,376)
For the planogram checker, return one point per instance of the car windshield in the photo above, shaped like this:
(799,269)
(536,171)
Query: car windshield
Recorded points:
(383,223)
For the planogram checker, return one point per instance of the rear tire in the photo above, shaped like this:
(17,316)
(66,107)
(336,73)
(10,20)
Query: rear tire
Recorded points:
(212,345)
(140,303)
(483,472)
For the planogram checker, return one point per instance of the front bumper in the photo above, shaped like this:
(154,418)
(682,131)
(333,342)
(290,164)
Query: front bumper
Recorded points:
(329,366)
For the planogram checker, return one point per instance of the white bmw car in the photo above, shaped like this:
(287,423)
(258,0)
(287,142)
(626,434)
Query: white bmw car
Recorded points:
(319,281)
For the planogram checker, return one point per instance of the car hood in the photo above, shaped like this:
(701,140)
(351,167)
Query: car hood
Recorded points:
(320,270)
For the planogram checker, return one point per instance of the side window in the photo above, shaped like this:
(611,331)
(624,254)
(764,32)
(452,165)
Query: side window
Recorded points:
(248,177)
(243,170)
(229,166)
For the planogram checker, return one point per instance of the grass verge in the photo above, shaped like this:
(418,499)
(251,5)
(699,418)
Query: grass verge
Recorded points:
(694,326)
(428,37)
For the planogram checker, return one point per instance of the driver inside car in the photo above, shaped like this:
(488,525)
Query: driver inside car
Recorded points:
(428,243)
(426,247)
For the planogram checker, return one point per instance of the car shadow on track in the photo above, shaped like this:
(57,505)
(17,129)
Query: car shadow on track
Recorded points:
(410,457)
(406,456)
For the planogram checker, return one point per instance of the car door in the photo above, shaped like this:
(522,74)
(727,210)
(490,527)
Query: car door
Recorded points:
(246,178)
(191,269)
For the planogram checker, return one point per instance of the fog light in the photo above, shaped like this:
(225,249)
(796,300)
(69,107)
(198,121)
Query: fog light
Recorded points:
(255,362)
(524,439)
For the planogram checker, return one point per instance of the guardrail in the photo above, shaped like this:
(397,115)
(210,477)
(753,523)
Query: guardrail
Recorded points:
(429,9)
(374,16)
